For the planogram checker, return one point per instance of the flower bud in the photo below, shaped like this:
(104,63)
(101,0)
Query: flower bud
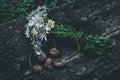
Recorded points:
(48,63)
(59,63)
(37,68)
(54,52)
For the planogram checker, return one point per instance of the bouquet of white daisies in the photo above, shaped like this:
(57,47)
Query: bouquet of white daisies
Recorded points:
(38,27)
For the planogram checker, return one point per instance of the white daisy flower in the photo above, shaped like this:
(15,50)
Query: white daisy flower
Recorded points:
(43,13)
(38,50)
(42,35)
(30,23)
(50,24)
(44,7)
(35,30)
(38,27)
(38,8)
(27,32)
(36,11)
(39,21)
(39,43)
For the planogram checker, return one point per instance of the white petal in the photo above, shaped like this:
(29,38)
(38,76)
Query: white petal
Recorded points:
(38,53)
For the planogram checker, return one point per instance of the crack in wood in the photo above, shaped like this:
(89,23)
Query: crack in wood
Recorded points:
(105,8)
(114,32)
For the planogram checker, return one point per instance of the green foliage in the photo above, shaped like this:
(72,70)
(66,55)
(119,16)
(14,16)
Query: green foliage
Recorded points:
(96,44)
(67,32)
(9,11)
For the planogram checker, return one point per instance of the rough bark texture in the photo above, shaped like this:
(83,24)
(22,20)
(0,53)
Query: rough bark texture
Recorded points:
(100,17)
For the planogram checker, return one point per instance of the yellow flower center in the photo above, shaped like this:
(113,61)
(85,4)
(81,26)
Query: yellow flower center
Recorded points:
(38,21)
(33,36)
(49,25)
(38,48)
(36,29)
(44,31)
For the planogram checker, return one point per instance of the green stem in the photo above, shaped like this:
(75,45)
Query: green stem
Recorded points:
(54,45)
(78,46)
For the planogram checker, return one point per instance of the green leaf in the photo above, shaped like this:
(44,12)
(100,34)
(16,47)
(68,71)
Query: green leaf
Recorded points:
(98,60)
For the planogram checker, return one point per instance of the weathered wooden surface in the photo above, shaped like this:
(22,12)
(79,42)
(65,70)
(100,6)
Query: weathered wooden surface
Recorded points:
(94,16)
(99,17)
(14,48)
